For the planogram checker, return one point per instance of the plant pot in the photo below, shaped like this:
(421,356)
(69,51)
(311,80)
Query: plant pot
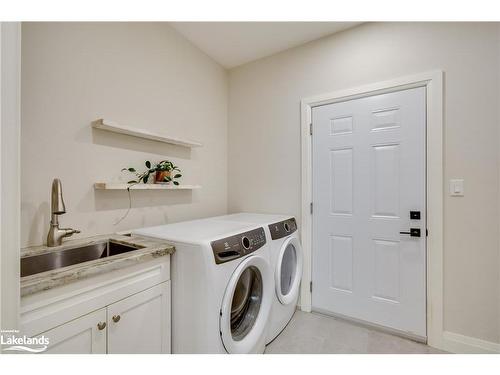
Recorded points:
(160,177)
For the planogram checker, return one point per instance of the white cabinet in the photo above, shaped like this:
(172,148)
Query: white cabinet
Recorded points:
(141,323)
(123,311)
(84,335)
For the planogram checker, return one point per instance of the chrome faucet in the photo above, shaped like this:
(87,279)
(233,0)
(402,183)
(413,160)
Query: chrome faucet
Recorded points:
(56,234)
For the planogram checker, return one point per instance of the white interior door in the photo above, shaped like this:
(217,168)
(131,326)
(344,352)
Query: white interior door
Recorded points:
(368,175)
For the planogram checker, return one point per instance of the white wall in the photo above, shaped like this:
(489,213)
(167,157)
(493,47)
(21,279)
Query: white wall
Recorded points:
(10,80)
(139,74)
(264,119)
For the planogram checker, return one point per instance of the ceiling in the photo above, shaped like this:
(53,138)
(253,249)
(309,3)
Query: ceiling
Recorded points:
(236,43)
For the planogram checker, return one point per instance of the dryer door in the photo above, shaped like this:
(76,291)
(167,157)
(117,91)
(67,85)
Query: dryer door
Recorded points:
(288,271)
(246,306)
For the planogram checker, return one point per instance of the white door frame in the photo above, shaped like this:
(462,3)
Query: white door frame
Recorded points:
(433,82)
(10,203)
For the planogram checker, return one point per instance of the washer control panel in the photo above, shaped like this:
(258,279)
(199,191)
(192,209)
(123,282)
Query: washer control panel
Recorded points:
(283,228)
(237,246)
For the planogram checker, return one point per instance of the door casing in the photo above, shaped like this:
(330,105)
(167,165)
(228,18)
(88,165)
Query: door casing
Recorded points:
(433,82)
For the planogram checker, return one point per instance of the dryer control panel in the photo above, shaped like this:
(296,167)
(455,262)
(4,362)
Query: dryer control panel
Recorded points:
(237,246)
(283,228)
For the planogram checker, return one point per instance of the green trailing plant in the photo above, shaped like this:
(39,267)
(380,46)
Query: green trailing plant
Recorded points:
(162,166)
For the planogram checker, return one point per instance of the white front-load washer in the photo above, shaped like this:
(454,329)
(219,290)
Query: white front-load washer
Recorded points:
(286,261)
(222,285)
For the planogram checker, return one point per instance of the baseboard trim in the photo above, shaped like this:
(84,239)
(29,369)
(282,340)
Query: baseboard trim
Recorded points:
(457,343)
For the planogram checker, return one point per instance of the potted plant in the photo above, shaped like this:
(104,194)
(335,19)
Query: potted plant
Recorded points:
(165,172)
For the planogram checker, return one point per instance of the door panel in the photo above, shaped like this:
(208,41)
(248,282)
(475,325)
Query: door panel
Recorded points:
(341,263)
(341,182)
(368,173)
(140,324)
(386,276)
(79,336)
(385,180)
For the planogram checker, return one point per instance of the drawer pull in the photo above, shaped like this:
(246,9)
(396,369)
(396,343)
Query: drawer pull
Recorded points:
(101,325)
(116,318)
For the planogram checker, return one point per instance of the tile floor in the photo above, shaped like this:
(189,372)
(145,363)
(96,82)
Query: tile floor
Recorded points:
(311,333)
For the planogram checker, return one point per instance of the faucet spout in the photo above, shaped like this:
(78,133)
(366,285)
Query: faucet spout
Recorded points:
(57,204)
(56,234)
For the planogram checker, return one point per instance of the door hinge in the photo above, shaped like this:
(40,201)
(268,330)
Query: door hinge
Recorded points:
(311,286)
(427,233)
(311,129)
(311,206)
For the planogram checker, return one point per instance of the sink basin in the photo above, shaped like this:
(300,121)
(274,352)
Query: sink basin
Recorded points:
(67,257)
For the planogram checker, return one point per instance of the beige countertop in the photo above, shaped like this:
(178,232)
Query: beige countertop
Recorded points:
(148,248)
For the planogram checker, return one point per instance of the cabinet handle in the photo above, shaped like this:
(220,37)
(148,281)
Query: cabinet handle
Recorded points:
(101,325)
(116,318)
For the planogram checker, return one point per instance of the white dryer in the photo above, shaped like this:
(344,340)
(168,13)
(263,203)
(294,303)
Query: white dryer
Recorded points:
(286,261)
(222,285)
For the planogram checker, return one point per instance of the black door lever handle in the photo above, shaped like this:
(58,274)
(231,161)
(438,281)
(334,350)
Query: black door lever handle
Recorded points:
(414,232)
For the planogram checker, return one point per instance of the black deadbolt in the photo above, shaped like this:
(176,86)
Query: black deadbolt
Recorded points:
(415,215)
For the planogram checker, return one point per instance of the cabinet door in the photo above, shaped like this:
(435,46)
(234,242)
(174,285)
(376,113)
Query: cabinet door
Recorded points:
(141,323)
(85,335)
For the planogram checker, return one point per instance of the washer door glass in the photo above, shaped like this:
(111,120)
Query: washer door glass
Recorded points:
(246,306)
(288,268)
(247,299)
(288,271)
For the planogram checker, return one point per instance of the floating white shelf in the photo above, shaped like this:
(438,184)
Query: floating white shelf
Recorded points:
(141,133)
(118,186)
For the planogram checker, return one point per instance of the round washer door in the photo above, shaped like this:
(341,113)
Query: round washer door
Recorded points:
(246,306)
(288,271)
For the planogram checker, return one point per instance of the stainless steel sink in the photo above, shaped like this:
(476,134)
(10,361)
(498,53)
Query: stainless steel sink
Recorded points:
(67,257)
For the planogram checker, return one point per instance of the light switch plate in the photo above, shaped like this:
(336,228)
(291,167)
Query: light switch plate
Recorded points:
(457,188)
